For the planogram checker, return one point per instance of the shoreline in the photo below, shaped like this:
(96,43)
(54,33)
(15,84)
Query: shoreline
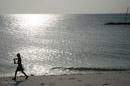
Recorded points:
(74,71)
(111,78)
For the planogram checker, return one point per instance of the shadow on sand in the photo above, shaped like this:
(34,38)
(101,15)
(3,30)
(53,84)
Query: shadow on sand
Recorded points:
(18,82)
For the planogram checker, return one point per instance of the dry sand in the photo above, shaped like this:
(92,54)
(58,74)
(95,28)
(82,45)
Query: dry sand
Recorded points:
(90,79)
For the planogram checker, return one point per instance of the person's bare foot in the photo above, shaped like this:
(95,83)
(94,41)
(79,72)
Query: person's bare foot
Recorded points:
(26,77)
(14,78)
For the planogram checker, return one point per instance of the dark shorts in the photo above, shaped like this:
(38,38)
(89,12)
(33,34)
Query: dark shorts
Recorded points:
(20,68)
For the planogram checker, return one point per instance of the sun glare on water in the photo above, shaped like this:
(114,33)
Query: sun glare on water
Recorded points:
(35,20)
(33,24)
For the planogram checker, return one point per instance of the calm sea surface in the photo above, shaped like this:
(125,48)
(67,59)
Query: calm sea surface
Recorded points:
(63,44)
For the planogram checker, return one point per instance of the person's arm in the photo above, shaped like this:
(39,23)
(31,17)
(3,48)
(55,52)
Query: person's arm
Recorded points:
(15,60)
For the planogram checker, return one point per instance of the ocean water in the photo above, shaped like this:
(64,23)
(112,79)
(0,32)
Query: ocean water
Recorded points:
(63,44)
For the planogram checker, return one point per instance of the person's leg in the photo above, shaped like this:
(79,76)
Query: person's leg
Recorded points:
(15,75)
(24,74)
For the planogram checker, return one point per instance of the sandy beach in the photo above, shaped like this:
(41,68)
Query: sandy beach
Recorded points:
(90,79)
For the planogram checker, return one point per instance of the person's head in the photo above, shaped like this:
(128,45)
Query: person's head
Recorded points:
(18,55)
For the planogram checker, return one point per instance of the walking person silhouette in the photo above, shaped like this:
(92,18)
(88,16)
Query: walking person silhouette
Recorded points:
(20,66)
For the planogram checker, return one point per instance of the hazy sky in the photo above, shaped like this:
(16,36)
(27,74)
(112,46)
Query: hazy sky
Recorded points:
(63,6)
